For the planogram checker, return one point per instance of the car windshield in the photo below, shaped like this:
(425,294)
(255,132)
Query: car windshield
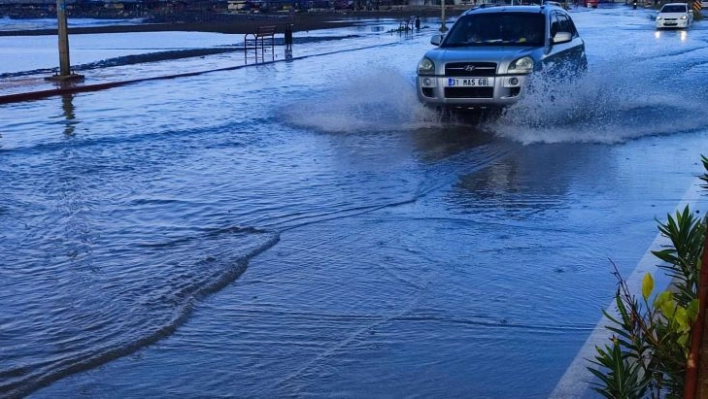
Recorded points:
(507,28)
(674,8)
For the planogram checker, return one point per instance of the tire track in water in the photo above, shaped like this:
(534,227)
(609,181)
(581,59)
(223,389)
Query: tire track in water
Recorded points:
(334,349)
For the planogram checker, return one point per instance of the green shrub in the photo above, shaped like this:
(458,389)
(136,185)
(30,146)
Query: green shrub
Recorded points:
(651,336)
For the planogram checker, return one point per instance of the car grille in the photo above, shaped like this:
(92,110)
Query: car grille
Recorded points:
(471,69)
(469,92)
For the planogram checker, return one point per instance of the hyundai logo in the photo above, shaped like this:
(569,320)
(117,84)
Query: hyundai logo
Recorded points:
(469,68)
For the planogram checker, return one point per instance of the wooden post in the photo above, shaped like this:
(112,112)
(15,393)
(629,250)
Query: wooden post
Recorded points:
(697,367)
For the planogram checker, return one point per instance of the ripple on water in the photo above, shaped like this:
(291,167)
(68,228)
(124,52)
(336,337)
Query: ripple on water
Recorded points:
(82,309)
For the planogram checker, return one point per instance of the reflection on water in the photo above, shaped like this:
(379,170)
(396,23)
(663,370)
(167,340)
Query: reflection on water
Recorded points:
(536,179)
(439,142)
(664,34)
(67,105)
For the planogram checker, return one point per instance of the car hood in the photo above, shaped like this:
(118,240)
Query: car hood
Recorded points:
(672,14)
(502,55)
(481,53)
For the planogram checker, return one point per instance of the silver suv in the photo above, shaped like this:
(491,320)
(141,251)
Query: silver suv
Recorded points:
(486,57)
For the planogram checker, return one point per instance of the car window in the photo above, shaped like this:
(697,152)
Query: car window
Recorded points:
(674,8)
(509,28)
(555,24)
(573,29)
(566,25)
(562,23)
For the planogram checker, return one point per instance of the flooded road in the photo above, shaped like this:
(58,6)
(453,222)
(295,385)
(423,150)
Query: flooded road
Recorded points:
(307,229)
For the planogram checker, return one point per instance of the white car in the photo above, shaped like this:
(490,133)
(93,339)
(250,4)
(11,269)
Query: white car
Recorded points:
(674,15)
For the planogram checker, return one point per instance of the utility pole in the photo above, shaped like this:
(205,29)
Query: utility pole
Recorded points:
(64,64)
(443,28)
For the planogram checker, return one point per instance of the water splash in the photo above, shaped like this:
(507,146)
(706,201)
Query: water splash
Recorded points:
(607,105)
(380,100)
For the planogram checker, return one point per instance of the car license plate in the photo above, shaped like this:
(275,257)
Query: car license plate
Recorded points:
(469,82)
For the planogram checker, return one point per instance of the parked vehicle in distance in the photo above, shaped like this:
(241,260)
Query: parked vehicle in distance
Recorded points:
(674,15)
(486,57)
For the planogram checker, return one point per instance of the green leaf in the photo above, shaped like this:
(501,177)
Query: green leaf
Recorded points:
(664,297)
(692,310)
(683,340)
(668,309)
(681,317)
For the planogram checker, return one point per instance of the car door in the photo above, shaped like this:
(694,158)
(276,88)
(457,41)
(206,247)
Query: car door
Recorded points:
(689,14)
(567,58)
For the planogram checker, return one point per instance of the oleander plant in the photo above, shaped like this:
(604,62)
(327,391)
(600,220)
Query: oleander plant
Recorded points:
(648,351)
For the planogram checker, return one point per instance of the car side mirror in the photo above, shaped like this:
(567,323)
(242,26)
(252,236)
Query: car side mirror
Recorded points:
(436,40)
(562,37)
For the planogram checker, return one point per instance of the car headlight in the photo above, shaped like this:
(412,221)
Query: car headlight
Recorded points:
(683,17)
(522,65)
(658,18)
(426,67)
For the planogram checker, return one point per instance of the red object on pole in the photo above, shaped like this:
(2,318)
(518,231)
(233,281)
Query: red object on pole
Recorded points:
(694,363)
